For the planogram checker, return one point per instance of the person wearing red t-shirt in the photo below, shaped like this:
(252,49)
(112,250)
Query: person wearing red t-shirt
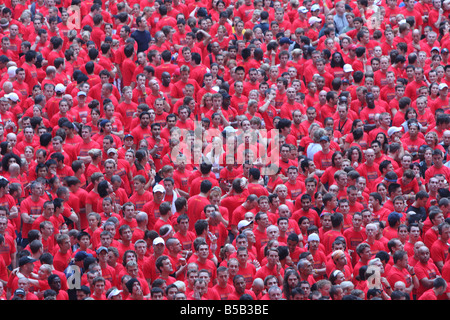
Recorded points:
(402,271)
(437,167)
(337,221)
(371,233)
(439,249)
(246,269)
(239,288)
(369,169)
(273,266)
(183,234)
(355,235)
(368,113)
(166,268)
(31,207)
(223,288)
(207,87)
(412,88)
(323,158)
(179,91)
(141,195)
(295,187)
(439,289)
(426,271)
(63,256)
(30,70)
(238,100)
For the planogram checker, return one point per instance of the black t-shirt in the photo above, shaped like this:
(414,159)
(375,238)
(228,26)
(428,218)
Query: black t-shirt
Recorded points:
(421,214)
(142,38)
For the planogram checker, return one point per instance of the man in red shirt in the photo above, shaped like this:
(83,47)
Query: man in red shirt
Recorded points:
(179,87)
(439,249)
(426,271)
(295,187)
(238,99)
(143,130)
(322,158)
(337,221)
(31,207)
(402,271)
(412,88)
(438,289)
(437,167)
(368,113)
(369,169)
(197,202)
(247,269)
(273,266)
(413,141)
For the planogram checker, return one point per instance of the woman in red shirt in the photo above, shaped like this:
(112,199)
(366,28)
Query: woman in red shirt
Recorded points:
(336,66)
(142,167)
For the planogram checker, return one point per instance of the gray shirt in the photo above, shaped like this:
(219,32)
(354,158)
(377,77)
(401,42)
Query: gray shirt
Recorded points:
(340,22)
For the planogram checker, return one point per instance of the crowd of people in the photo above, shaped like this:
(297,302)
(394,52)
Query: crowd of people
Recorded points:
(224,150)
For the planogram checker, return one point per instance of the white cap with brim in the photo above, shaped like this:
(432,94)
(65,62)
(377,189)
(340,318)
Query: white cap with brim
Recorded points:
(313,20)
(347,68)
(303,9)
(393,130)
(113,150)
(159,188)
(12,96)
(243,223)
(158,240)
(60,88)
(313,237)
(114,293)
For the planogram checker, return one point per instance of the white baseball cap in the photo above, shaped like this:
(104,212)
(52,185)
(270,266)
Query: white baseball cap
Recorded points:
(443,85)
(303,9)
(159,188)
(313,20)
(393,130)
(12,96)
(348,68)
(114,293)
(244,223)
(60,88)
(315,7)
(158,240)
(313,237)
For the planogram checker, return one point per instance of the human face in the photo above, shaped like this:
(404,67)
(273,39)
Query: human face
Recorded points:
(414,232)
(84,242)
(366,253)
(403,234)
(56,284)
(371,231)
(167,266)
(264,220)
(203,251)
(136,289)
(240,285)
(223,277)
(370,156)
(438,160)
(127,234)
